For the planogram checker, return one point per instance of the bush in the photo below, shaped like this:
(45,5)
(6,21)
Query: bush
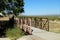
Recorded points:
(14,33)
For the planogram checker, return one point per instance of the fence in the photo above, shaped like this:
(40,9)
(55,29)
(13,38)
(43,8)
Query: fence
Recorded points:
(42,23)
(25,23)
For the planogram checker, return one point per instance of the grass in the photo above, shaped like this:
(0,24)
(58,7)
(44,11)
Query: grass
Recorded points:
(14,33)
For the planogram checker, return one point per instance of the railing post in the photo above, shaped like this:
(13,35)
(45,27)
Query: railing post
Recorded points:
(48,23)
(21,23)
(25,21)
(35,21)
(41,23)
(30,22)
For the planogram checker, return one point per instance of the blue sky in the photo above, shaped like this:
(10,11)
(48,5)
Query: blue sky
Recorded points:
(42,7)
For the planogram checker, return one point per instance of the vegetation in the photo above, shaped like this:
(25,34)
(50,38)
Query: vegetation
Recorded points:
(12,6)
(14,33)
(49,17)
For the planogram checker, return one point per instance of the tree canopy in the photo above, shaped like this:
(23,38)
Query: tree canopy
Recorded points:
(12,6)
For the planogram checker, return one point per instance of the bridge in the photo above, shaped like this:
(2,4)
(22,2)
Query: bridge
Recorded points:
(25,23)
(40,27)
(36,27)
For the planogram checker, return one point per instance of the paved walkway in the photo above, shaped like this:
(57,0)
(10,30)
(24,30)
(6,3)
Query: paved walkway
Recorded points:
(46,35)
(39,34)
(31,37)
(5,39)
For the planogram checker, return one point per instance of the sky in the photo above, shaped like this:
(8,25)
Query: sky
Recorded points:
(42,7)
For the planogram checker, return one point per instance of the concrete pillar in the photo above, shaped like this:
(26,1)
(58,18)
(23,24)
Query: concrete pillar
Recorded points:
(30,23)
(30,30)
(40,23)
(21,23)
(18,22)
(25,21)
(33,22)
(24,27)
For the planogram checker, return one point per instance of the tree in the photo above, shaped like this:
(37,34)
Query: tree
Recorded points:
(12,6)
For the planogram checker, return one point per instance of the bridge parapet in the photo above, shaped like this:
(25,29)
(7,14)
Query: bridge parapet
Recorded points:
(42,23)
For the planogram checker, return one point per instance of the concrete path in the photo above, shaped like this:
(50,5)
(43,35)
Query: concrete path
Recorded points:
(45,35)
(5,39)
(39,34)
(31,37)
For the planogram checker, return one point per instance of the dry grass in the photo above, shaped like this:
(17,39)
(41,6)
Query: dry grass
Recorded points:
(54,26)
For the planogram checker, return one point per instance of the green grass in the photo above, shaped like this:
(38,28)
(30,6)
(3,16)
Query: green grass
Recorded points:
(14,33)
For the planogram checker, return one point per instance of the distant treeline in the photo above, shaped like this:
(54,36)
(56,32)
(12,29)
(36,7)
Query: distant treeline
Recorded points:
(49,17)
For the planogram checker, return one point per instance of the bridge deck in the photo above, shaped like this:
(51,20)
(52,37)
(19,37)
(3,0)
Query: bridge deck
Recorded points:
(46,35)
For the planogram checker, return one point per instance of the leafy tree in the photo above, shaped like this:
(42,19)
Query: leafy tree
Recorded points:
(12,6)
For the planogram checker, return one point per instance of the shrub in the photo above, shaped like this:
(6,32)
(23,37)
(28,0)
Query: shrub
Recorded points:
(14,33)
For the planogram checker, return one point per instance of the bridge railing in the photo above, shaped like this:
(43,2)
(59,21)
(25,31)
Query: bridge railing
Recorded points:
(24,22)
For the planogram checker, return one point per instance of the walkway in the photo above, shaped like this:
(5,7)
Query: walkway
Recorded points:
(46,35)
(39,34)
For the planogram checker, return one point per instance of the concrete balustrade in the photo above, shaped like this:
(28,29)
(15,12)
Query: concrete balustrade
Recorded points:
(30,23)
(30,29)
(21,24)
(25,23)
(25,27)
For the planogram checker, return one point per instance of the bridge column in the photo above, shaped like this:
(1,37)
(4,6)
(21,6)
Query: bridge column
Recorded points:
(21,24)
(25,21)
(30,30)
(35,21)
(25,24)
(40,23)
(48,24)
(17,22)
(30,21)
